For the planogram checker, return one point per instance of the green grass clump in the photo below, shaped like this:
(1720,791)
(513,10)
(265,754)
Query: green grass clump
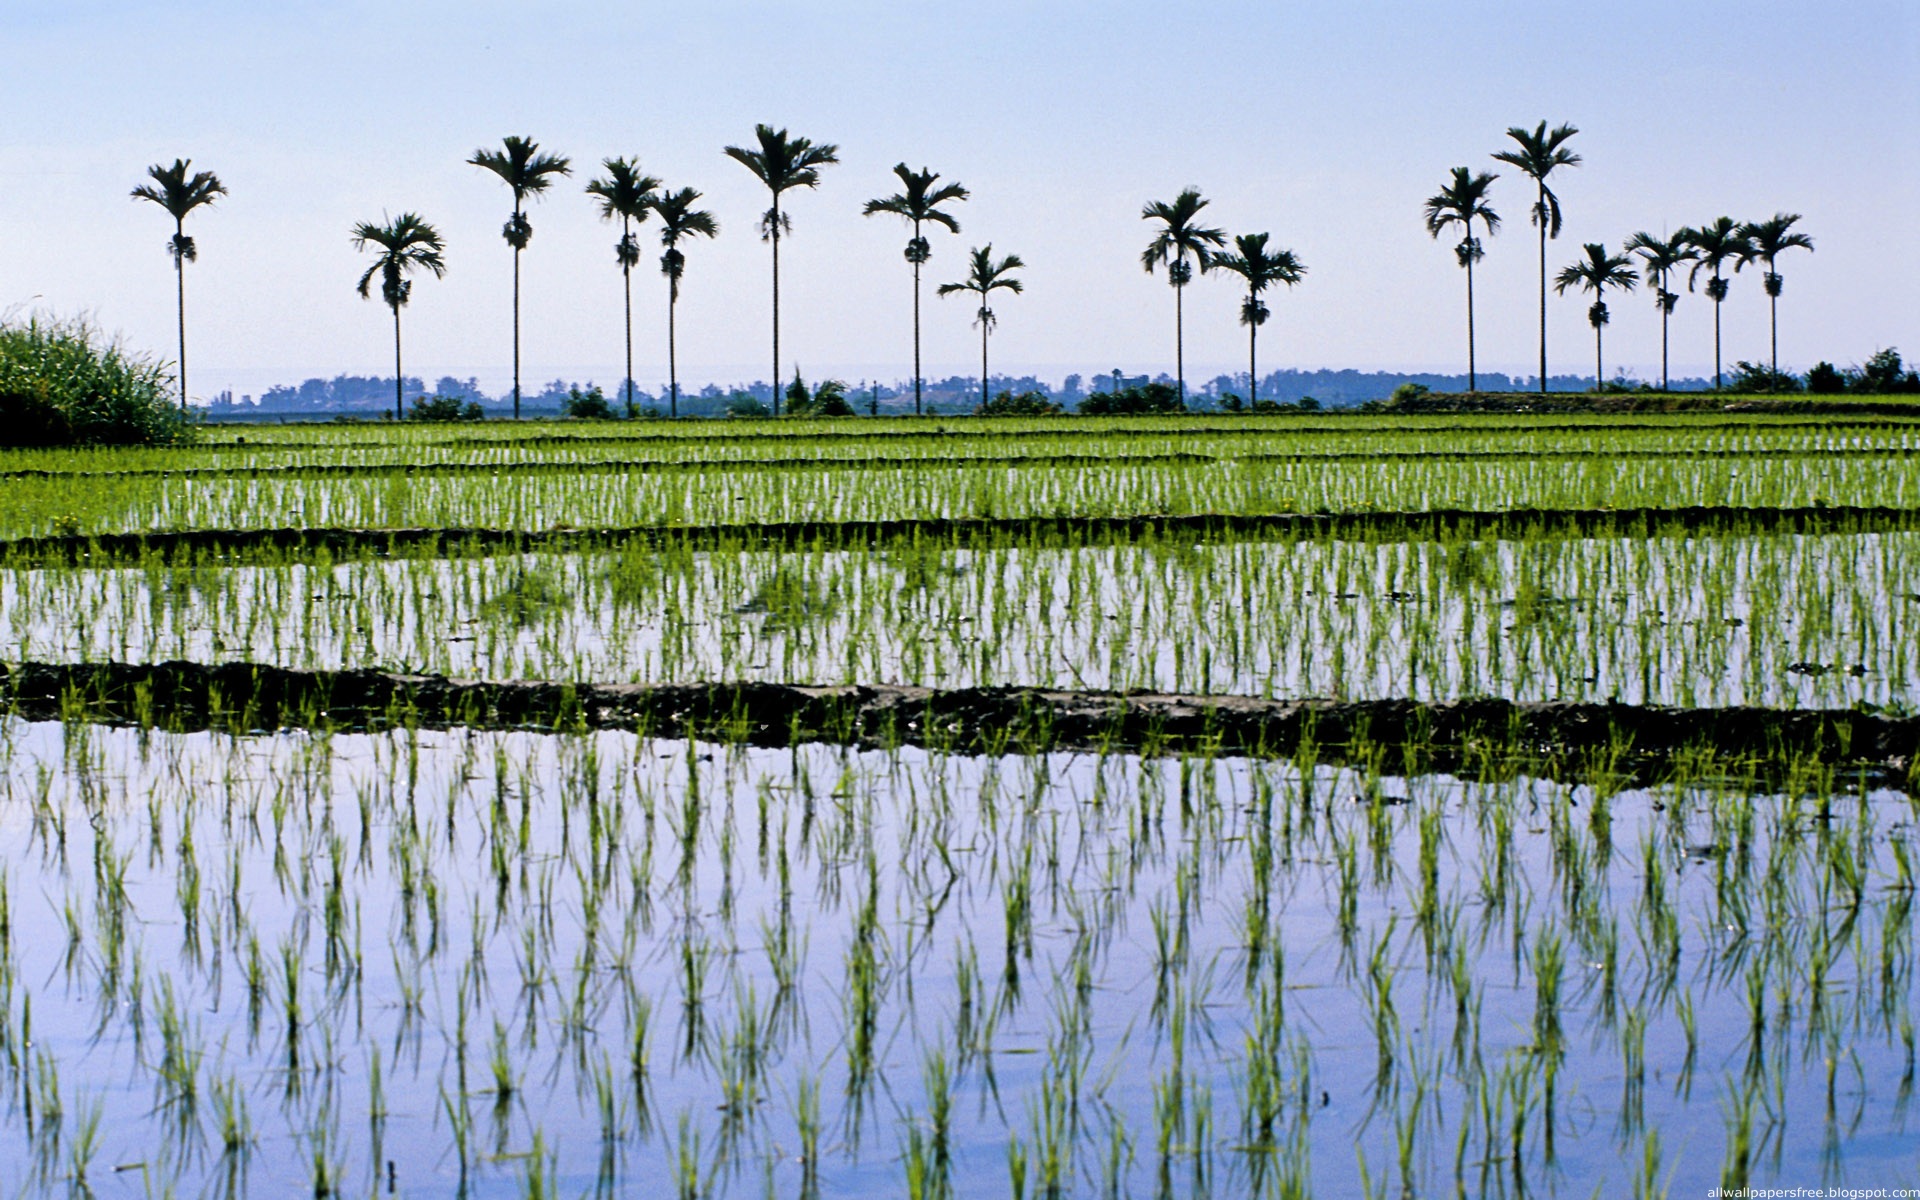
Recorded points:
(62,382)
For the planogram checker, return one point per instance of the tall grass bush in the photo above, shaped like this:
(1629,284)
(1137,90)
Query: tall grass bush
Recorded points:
(63,382)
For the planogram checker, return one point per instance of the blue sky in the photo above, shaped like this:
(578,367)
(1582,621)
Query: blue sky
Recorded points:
(1326,124)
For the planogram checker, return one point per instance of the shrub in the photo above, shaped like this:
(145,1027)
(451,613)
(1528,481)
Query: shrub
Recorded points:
(829,399)
(1152,400)
(743,405)
(1758,377)
(63,381)
(1826,380)
(444,408)
(1026,404)
(1885,373)
(590,405)
(1408,392)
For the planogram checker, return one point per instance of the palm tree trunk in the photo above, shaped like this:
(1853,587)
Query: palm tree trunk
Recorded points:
(626,278)
(1253,355)
(983,355)
(1665,386)
(916,336)
(1542,214)
(1773,335)
(516,333)
(399,380)
(1599,373)
(1179,341)
(673,364)
(776,304)
(180,283)
(1473,382)
(1716,342)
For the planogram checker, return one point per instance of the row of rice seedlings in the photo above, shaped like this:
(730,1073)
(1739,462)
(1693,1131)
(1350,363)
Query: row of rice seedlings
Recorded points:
(1770,620)
(744,495)
(536,445)
(573,962)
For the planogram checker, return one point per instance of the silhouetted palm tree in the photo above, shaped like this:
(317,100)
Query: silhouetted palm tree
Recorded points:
(1461,202)
(1766,239)
(625,195)
(1715,245)
(919,202)
(678,219)
(1261,269)
(1540,152)
(1178,238)
(1595,273)
(781,163)
(984,277)
(406,244)
(1658,258)
(177,192)
(526,171)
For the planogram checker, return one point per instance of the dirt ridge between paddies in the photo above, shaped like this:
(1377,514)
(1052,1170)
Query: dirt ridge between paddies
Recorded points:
(1625,738)
(284,542)
(945,462)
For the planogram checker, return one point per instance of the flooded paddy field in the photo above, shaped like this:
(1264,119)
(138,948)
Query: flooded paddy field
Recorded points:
(1160,807)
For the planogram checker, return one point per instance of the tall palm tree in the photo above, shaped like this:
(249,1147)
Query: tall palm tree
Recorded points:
(625,195)
(1261,268)
(984,277)
(678,219)
(919,202)
(781,163)
(1659,258)
(1178,238)
(1766,239)
(1538,154)
(177,192)
(1714,245)
(1595,273)
(526,171)
(406,243)
(1461,202)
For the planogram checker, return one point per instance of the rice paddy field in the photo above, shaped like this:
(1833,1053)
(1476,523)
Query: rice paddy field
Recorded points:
(1270,807)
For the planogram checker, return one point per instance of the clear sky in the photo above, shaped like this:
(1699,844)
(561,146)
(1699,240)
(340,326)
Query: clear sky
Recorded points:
(1325,123)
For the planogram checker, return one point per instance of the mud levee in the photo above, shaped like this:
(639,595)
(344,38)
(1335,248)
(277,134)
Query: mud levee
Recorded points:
(1624,739)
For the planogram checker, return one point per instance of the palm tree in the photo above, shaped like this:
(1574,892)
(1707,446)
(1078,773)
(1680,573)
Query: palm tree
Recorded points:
(1766,239)
(1659,257)
(1260,268)
(983,278)
(406,243)
(1460,203)
(781,163)
(678,219)
(1595,273)
(177,192)
(626,195)
(1539,153)
(525,170)
(1178,238)
(920,202)
(1714,245)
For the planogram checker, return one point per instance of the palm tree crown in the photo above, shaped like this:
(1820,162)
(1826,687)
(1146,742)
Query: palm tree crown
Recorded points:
(1766,239)
(1260,268)
(781,163)
(678,219)
(1595,273)
(180,193)
(1462,202)
(625,195)
(1538,153)
(984,277)
(1659,258)
(406,244)
(919,201)
(1178,238)
(526,172)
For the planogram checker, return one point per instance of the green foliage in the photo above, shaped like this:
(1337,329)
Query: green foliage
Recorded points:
(1408,392)
(1151,400)
(1826,380)
(743,405)
(60,380)
(1758,377)
(1883,372)
(444,408)
(1026,404)
(828,399)
(590,405)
